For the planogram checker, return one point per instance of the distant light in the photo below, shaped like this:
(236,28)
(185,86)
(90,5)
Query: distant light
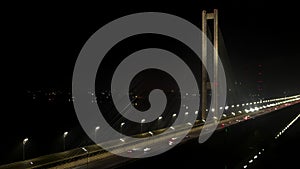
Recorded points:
(245,166)
(221,108)
(159,118)
(196,112)
(172,128)
(174,115)
(31,162)
(186,113)
(255,157)
(122,124)
(97,128)
(226,108)
(250,161)
(143,120)
(213,109)
(189,123)
(122,140)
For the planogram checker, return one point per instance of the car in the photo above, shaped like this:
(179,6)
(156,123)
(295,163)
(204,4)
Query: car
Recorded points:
(246,117)
(172,140)
(147,149)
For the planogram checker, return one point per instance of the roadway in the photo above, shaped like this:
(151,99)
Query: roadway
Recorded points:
(138,149)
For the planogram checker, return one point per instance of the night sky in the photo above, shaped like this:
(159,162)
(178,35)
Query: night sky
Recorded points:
(42,42)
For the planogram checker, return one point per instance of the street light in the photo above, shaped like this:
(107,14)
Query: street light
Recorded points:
(185,114)
(24,142)
(121,126)
(64,139)
(142,121)
(173,116)
(159,118)
(152,134)
(96,129)
(87,156)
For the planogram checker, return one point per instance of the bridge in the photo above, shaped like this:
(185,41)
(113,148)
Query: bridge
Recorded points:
(93,156)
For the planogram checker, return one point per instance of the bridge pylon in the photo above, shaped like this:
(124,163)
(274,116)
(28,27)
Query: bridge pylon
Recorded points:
(205,85)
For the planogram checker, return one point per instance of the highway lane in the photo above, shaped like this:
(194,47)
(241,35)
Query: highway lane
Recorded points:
(193,134)
(235,145)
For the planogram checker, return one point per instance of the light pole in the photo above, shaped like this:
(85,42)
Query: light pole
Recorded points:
(185,114)
(151,133)
(159,118)
(173,116)
(96,129)
(142,121)
(87,156)
(121,132)
(121,126)
(24,142)
(64,140)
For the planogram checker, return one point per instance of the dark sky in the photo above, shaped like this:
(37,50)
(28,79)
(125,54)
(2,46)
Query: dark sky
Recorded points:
(44,40)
